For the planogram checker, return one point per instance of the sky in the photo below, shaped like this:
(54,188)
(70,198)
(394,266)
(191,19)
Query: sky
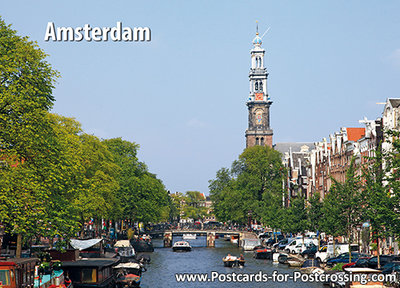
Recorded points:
(182,95)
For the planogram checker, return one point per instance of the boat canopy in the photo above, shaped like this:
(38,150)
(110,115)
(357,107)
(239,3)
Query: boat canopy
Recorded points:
(122,243)
(84,244)
(128,265)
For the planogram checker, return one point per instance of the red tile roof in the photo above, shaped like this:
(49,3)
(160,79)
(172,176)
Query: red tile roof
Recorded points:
(354,134)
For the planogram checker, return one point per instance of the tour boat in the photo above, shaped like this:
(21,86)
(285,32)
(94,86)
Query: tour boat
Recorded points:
(189,236)
(233,261)
(181,246)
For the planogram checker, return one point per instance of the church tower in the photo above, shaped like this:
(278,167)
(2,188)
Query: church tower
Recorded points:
(259,131)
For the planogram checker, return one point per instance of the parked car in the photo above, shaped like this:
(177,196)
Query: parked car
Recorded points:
(344,258)
(327,252)
(282,244)
(391,267)
(309,253)
(301,247)
(291,247)
(384,259)
(361,262)
(272,240)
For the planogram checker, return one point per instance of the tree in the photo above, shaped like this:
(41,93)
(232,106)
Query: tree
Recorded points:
(194,205)
(315,214)
(380,200)
(251,188)
(143,197)
(296,220)
(220,189)
(26,85)
(349,201)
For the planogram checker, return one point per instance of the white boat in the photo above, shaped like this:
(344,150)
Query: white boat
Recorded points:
(189,236)
(295,263)
(234,239)
(124,248)
(181,246)
(250,244)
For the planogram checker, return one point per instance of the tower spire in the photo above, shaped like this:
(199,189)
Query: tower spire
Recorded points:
(259,131)
(256,27)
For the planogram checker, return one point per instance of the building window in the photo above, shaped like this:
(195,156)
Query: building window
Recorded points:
(256,85)
(262,141)
(257,141)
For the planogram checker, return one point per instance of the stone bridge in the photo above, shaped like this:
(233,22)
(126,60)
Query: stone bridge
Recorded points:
(210,235)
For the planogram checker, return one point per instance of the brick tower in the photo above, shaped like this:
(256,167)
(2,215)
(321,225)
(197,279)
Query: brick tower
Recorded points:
(259,131)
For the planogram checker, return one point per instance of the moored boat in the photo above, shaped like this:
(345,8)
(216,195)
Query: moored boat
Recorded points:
(91,272)
(309,266)
(128,274)
(265,253)
(25,272)
(181,246)
(294,262)
(142,244)
(124,250)
(189,236)
(233,261)
(234,239)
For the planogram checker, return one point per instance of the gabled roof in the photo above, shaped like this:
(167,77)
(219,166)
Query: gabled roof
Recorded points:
(354,134)
(296,146)
(395,102)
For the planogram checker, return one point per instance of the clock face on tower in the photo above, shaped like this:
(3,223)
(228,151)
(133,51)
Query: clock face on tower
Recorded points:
(259,96)
(259,117)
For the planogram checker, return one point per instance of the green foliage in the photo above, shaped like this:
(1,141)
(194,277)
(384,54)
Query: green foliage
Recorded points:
(296,218)
(338,267)
(26,138)
(194,205)
(315,213)
(253,187)
(380,199)
(143,197)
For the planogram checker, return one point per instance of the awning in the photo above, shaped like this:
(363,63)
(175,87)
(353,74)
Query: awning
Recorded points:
(84,244)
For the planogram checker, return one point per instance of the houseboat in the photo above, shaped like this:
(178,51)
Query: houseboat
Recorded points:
(92,272)
(18,272)
(26,272)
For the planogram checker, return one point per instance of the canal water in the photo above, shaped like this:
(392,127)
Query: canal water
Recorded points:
(165,264)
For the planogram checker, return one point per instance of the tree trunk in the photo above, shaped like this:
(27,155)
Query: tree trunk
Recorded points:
(19,245)
(334,250)
(378,252)
(349,234)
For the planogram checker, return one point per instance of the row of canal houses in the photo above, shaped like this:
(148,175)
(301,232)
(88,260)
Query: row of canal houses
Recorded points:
(311,166)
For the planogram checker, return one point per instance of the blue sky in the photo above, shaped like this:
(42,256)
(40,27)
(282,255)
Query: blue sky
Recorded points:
(182,96)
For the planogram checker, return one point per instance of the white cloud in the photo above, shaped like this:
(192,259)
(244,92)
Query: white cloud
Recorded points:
(195,123)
